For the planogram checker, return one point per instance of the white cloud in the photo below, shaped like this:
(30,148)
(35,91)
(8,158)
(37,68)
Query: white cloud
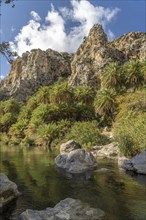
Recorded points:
(35,16)
(53,34)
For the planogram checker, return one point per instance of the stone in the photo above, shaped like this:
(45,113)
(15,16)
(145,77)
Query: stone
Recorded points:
(8,191)
(133,45)
(139,162)
(33,70)
(136,164)
(67,209)
(69,146)
(125,163)
(76,161)
(107,151)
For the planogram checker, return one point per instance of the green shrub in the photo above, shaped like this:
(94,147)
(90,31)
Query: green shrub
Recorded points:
(87,134)
(129,126)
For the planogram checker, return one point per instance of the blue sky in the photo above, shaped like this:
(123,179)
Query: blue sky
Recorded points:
(61,24)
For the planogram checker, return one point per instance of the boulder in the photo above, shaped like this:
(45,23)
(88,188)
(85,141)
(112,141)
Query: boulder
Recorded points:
(139,162)
(67,209)
(69,146)
(125,163)
(136,164)
(107,151)
(77,161)
(8,191)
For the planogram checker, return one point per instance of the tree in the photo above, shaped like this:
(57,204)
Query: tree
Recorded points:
(84,95)
(133,75)
(61,93)
(47,133)
(4,46)
(8,2)
(6,51)
(42,95)
(111,78)
(105,102)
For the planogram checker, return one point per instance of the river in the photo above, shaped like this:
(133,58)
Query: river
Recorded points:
(120,195)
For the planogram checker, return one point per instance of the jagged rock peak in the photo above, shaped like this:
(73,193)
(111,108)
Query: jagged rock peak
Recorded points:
(97,35)
(92,57)
(33,70)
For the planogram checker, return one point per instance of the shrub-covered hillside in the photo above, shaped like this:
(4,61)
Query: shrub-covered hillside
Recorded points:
(59,112)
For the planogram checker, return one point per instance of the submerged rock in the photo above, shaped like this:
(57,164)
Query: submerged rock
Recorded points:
(136,164)
(107,151)
(69,146)
(77,161)
(67,209)
(8,191)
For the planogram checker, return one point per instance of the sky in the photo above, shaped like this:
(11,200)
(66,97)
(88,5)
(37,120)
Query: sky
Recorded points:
(62,24)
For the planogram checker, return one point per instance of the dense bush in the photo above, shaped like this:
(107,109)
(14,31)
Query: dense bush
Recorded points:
(87,134)
(9,111)
(129,126)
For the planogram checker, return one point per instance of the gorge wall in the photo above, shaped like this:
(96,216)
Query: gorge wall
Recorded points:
(39,68)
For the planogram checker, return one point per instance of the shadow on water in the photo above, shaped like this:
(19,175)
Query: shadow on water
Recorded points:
(137,177)
(42,185)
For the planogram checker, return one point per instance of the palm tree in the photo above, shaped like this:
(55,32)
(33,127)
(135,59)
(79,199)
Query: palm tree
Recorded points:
(47,133)
(84,95)
(112,78)
(42,95)
(133,75)
(143,70)
(61,93)
(105,102)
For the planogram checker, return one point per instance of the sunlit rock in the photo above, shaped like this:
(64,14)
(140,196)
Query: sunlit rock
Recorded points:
(67,209)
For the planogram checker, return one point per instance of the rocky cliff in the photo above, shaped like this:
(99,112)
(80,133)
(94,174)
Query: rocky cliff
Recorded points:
(96,52)
(39,68)
(33,70)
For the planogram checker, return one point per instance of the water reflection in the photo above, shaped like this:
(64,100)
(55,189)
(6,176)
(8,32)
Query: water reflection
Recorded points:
(42,186)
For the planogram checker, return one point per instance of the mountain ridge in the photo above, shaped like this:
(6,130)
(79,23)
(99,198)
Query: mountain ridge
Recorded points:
(40,68)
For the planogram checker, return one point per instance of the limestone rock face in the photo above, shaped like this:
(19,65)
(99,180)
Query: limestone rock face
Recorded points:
(133,45)
(76,161)
(67,209)
(92,57)
(33,70)
(8,191)
(69,146)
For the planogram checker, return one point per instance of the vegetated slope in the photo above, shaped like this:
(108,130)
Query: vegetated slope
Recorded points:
(106,88)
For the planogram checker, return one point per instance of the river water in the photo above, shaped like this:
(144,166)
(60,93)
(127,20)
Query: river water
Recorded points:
(120,195)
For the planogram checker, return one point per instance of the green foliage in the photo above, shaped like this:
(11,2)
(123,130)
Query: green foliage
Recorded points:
(84,95)
(105,106)
(11,105)
(43,95)
(61,93)
(87,134)
(133,74)
(129,126)
(8,114)
(18,128)
(4,138)
(6,51)
(112,76)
